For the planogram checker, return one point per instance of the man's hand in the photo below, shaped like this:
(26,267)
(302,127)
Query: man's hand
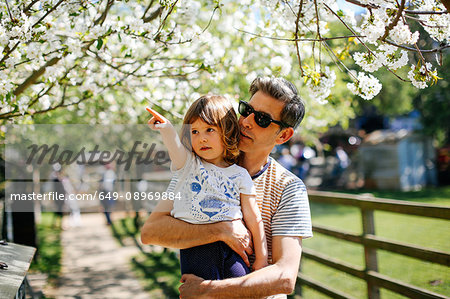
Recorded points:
(238,237)
(193,287)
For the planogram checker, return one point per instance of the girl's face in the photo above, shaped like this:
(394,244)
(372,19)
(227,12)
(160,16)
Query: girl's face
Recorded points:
(207,142)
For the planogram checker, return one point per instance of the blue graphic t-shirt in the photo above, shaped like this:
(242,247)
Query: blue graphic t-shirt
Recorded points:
(209,193)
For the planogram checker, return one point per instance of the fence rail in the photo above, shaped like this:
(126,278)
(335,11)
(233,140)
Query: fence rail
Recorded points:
(372,243)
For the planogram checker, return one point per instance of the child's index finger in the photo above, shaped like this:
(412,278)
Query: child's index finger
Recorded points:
(158,116)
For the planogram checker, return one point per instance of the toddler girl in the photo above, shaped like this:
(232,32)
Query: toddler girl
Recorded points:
(212,187)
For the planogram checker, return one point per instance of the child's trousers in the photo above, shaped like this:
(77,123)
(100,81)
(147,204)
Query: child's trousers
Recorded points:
(212,261)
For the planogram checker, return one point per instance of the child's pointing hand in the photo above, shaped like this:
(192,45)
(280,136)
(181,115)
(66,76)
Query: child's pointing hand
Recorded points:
(158,121)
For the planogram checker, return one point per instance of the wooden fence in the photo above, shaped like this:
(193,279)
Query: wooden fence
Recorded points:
(372,243)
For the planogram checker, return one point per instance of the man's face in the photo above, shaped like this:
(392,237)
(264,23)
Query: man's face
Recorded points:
(253,137)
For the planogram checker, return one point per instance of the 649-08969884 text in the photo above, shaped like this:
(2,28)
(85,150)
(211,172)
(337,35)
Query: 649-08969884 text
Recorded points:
(139,195)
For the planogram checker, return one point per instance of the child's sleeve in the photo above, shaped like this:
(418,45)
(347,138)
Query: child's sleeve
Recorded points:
(247,186)
(187,164)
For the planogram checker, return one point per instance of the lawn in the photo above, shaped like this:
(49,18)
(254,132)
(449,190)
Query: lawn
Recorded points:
(422,231)
(49,251)
(159,270)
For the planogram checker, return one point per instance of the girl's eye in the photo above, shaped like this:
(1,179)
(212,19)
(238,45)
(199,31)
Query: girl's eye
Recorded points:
(210,130)
(194,132)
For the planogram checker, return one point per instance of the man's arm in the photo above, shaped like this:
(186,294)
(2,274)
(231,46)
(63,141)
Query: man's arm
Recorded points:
(164,230)
(278,278)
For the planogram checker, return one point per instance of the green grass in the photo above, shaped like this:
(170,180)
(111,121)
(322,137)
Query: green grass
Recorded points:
(159,270)
(49,248)
(421,231)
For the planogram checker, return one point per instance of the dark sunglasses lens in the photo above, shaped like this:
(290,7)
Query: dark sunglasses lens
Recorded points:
(244,109)
(262,120)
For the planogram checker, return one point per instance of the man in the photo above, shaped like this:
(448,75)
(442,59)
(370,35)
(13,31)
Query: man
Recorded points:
(269,119)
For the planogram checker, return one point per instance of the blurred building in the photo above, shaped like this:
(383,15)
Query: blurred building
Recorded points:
(397,160)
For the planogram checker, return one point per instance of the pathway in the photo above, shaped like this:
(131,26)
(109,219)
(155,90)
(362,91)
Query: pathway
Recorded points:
(94,265)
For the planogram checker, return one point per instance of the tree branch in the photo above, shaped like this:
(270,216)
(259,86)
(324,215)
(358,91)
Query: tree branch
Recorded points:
(26,9)
(48,12)
(210,19)
(370,51)
(165,18)
(361,4)
(296,37)
(415,50)
(102,18)
(147,8)
(418,12)
(9,51)
(31,79)
(9,11)
(395,21)
(350,29)
(153,15)
(318,33)
(446,3)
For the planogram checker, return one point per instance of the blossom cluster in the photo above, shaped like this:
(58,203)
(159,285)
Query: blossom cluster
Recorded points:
(122,53)
(320,84)
(84,53)
(365,86)
(387,55)
(437,25)
(420,76)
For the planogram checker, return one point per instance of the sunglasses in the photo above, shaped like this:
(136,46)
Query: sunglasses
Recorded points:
(262,119)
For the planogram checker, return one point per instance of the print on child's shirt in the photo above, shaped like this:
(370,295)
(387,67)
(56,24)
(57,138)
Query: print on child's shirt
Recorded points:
(213,195)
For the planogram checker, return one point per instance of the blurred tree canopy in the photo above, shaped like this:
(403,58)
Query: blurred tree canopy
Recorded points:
(104,61)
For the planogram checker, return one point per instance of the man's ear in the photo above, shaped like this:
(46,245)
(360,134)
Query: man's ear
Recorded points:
(285,135)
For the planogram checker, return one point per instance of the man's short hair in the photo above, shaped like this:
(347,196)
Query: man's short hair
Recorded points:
(284,91)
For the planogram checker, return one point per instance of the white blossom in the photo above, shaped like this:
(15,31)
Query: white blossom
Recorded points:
(45,102)
(5,84)
(74,46)
(420,77)
(401,34)
(22,104)
(3,36)
(368,61)
(365,86)
(398,63)
(152,59)
(437,25)
(373,25)
(187,12)
(321,88)
(34,51)
(279,62)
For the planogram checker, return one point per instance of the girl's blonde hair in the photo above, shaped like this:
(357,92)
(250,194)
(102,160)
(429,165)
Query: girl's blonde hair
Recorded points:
(216,111)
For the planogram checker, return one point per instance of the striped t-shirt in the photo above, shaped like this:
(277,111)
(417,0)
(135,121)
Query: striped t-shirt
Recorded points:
(283,202)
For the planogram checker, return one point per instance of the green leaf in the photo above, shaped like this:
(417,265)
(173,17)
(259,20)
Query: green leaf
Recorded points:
(99,43)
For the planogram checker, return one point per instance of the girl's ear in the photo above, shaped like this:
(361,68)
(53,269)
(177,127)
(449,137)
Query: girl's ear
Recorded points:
(284,135)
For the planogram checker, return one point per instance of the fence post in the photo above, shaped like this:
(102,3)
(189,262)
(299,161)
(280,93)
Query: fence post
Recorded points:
(298,285)
(370,254)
